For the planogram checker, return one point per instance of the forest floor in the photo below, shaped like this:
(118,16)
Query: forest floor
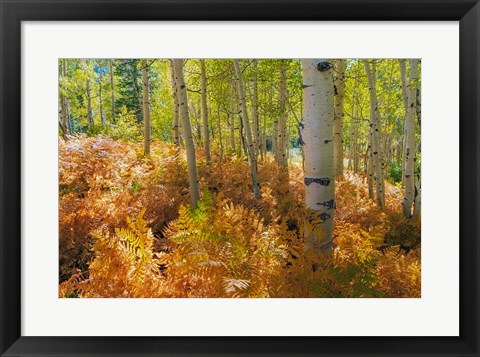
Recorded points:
(126,229)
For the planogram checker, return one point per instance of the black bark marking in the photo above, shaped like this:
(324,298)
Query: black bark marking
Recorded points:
(330,204)
(326,141)
(324,181)
(324,66)
(324,216)
(182,86)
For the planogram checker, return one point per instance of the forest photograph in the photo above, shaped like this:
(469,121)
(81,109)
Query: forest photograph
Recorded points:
(239,178)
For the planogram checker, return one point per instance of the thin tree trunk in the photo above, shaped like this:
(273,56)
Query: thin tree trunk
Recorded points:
(220,139)
(353,155)
(231,123)
(176,133)
(410,147)
(403,78)
(64,102)
(370,173)
(206,134)
(146,108)
(187,130)
(112,85)
(248,135)
(281,154)
(256,138)
(317,134)
(339,115)
(375,134)
(100,99)
(89,104)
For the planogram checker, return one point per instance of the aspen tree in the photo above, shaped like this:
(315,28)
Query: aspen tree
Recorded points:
(353,155)
(256,137)
(339,115)
(112,85)
(403,78)
(248,136)
(89,96)
(410,147)
(64,101)
(89,104)
(375,135)
(146,108)
(317,134)
(100,98)
(176,122)
(203,97)
(231,122)
(187,131)
(281,143)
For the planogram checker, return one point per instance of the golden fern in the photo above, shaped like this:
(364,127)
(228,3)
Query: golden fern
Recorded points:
(137,239)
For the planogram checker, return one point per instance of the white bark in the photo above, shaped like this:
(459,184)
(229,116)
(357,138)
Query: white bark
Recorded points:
(403,78)
(176,120)
(410,145)
(231,123)
(339,115)
(256,137)
(375,135)
(317,135)
(206,134)
(112,85)
(248,135)
(64,101)
(187,131)
(281,144)
(89,104)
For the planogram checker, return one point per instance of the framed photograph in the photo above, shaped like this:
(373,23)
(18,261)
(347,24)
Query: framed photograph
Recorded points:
(239,178)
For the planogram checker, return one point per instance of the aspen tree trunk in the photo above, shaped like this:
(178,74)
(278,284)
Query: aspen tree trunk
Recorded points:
(206,134)
(354,128)
(317,133)
(370,174)
(403,78)
(181,91)
(112,85)
(417,206)
(102,116)
(220,139)
(419,103)
(375,135)
(274,133)
(89,105)
(280,148)
(64,102)
(176,133)
(232,121)
(249,142)
(256,137)
(146,108)
(410,147)
(264,138)
(339,115)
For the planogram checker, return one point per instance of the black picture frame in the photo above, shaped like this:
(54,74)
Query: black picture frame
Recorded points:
(13,12)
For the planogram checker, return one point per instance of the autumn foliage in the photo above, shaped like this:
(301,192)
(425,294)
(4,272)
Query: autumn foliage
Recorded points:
(127,230)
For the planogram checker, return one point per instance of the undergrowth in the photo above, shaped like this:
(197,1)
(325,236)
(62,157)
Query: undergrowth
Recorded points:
(126,230)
